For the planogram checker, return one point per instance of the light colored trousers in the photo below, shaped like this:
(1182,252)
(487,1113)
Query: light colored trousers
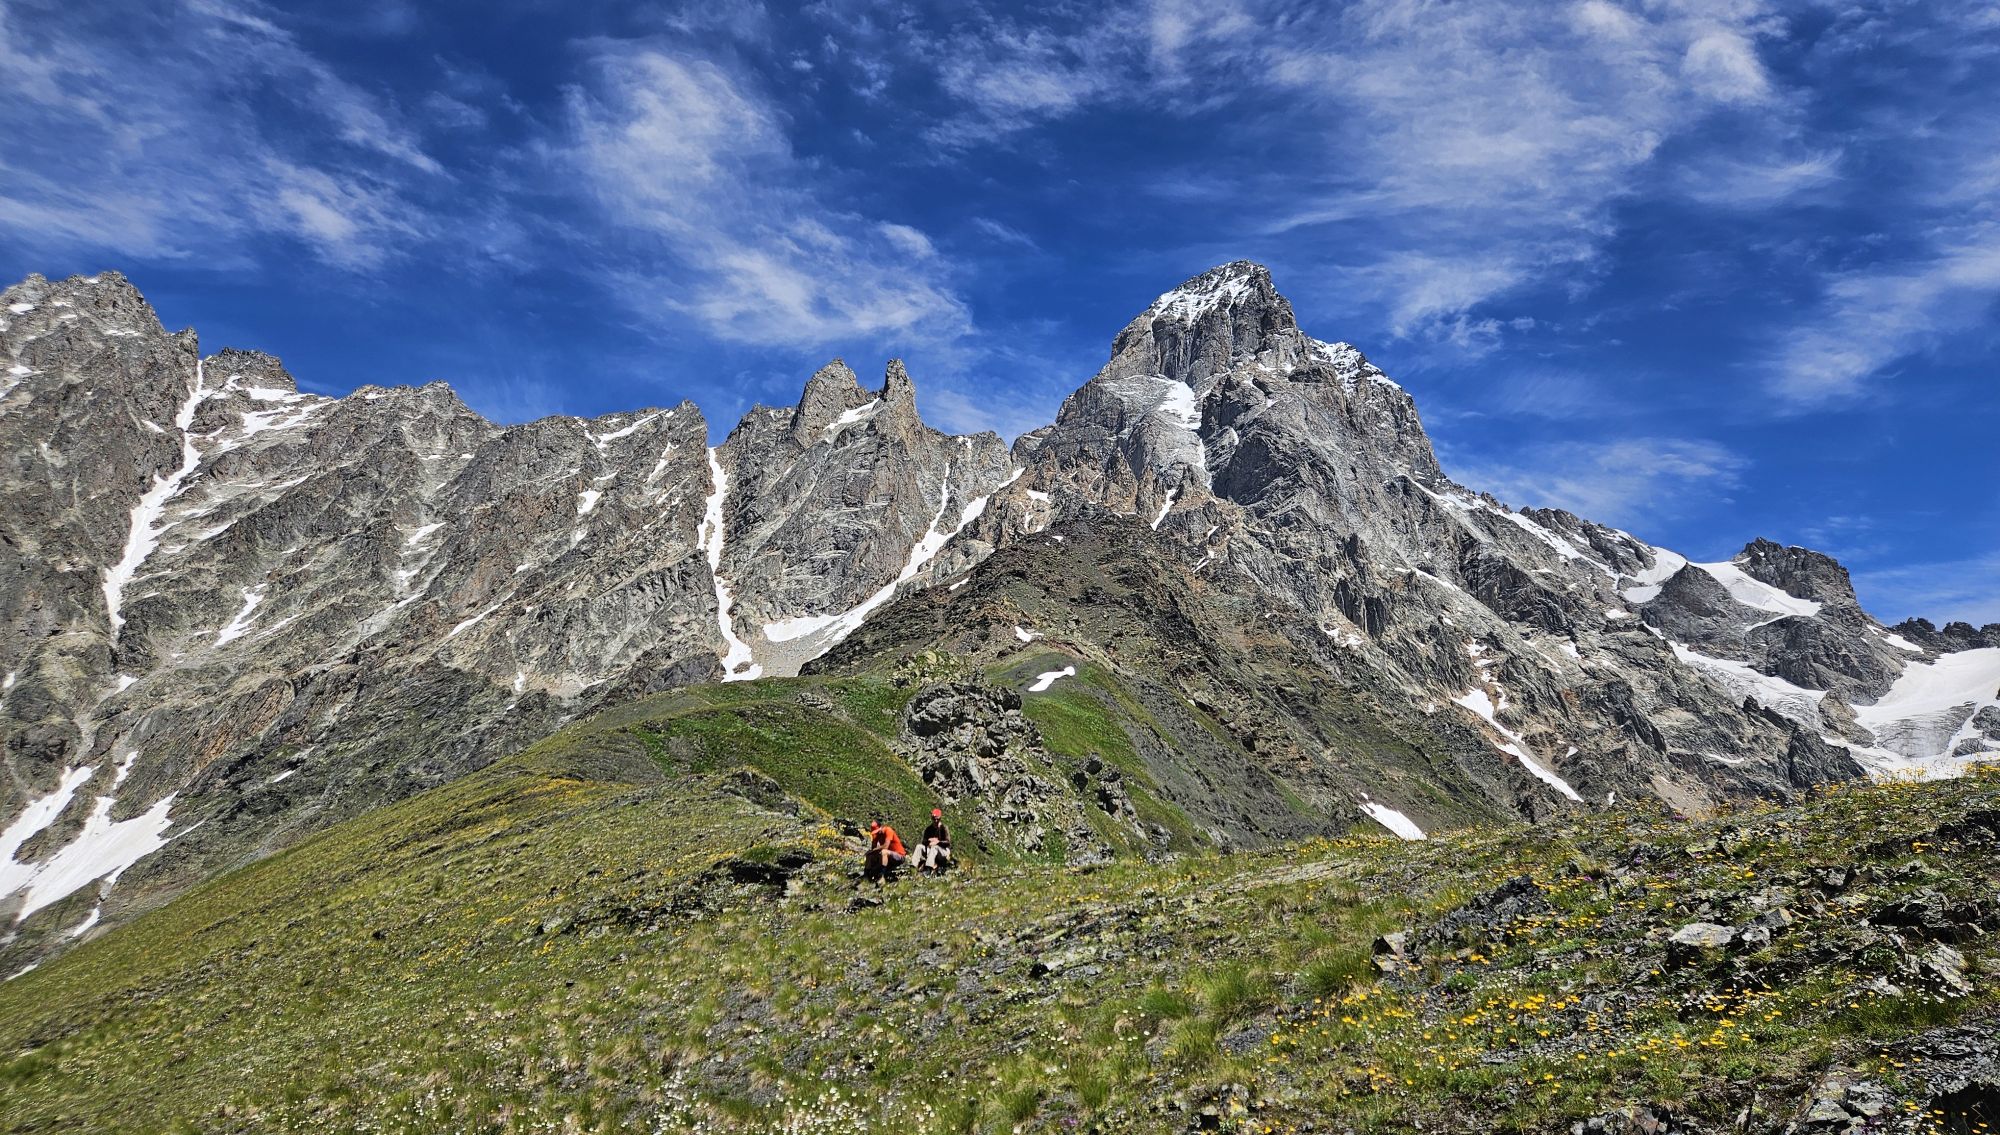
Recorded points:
(930,856)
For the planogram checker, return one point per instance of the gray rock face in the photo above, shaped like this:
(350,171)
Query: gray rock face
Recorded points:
(236,612)
(232,613)
(1799,572)
(1295,463)
(1954,636)
(830,507)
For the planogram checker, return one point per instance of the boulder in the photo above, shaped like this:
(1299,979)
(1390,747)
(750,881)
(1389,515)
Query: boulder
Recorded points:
(1700,942)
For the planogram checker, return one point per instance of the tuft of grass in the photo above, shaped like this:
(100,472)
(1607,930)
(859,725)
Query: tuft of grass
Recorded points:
(1193,1046)
(1164,1004)
(1338,971)
(1237,990)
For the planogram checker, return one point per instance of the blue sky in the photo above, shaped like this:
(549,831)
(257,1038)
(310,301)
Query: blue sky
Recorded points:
(1705,269)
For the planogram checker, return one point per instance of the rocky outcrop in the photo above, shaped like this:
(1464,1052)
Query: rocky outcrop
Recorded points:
(974,749)
(968,741)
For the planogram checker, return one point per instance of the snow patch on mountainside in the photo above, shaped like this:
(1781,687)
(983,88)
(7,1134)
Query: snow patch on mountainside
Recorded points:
(38,814)
(1048,678)
(1756,593)
(738,663)
(144,533)
(1554,540)
(468,624)
(603,441)
(101,851)
(1189,302)
(854,417)
(1646,585)
(1480,702)
(827,631)
(1164,416)
(1395,821)
(240,625)
(1179,404)
(261,421)
(1348,363)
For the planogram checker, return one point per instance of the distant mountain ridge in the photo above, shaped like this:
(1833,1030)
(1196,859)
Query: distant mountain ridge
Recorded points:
(232,613)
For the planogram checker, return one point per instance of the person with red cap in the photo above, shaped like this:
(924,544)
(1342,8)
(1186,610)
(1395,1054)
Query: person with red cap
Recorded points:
(934,850)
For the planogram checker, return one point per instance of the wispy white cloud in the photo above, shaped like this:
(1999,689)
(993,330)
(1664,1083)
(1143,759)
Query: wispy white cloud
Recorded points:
(1721,63)
(1480,148)
(1489,145)
(1869,319)
(681,150)
(1002,232)
(1966,590)
(242,33)
(1754,181)
(1536,390)
(1930,267)
(1634,482)
(155,144)
(1008,76)
(1944,278)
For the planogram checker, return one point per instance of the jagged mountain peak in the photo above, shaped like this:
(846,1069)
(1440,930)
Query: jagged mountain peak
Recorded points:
(833,390)
(110,285)
(1799,572)
(261,374)
(898,392)
(1236,283)
(1954,637)
(834,399)
(1210,323)
(430,398)
(107,302)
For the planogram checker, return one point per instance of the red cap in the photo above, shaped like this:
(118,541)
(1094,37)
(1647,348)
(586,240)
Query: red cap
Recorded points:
(937,813)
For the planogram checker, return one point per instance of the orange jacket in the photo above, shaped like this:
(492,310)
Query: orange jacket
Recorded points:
(886,836)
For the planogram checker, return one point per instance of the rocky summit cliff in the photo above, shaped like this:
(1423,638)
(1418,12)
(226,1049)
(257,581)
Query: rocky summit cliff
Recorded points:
(232,613)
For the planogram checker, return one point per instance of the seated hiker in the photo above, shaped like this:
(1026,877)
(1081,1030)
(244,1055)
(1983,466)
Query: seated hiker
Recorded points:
(934,850)
(885,851)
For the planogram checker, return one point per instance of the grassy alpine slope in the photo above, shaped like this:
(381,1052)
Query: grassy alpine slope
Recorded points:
(621,929)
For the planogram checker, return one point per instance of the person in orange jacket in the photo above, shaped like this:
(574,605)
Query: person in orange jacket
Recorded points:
(885,851)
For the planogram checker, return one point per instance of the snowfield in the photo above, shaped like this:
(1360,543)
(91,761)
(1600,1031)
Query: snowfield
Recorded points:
(1928,714)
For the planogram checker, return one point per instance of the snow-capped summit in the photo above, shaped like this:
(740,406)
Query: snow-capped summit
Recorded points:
(1222,286)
